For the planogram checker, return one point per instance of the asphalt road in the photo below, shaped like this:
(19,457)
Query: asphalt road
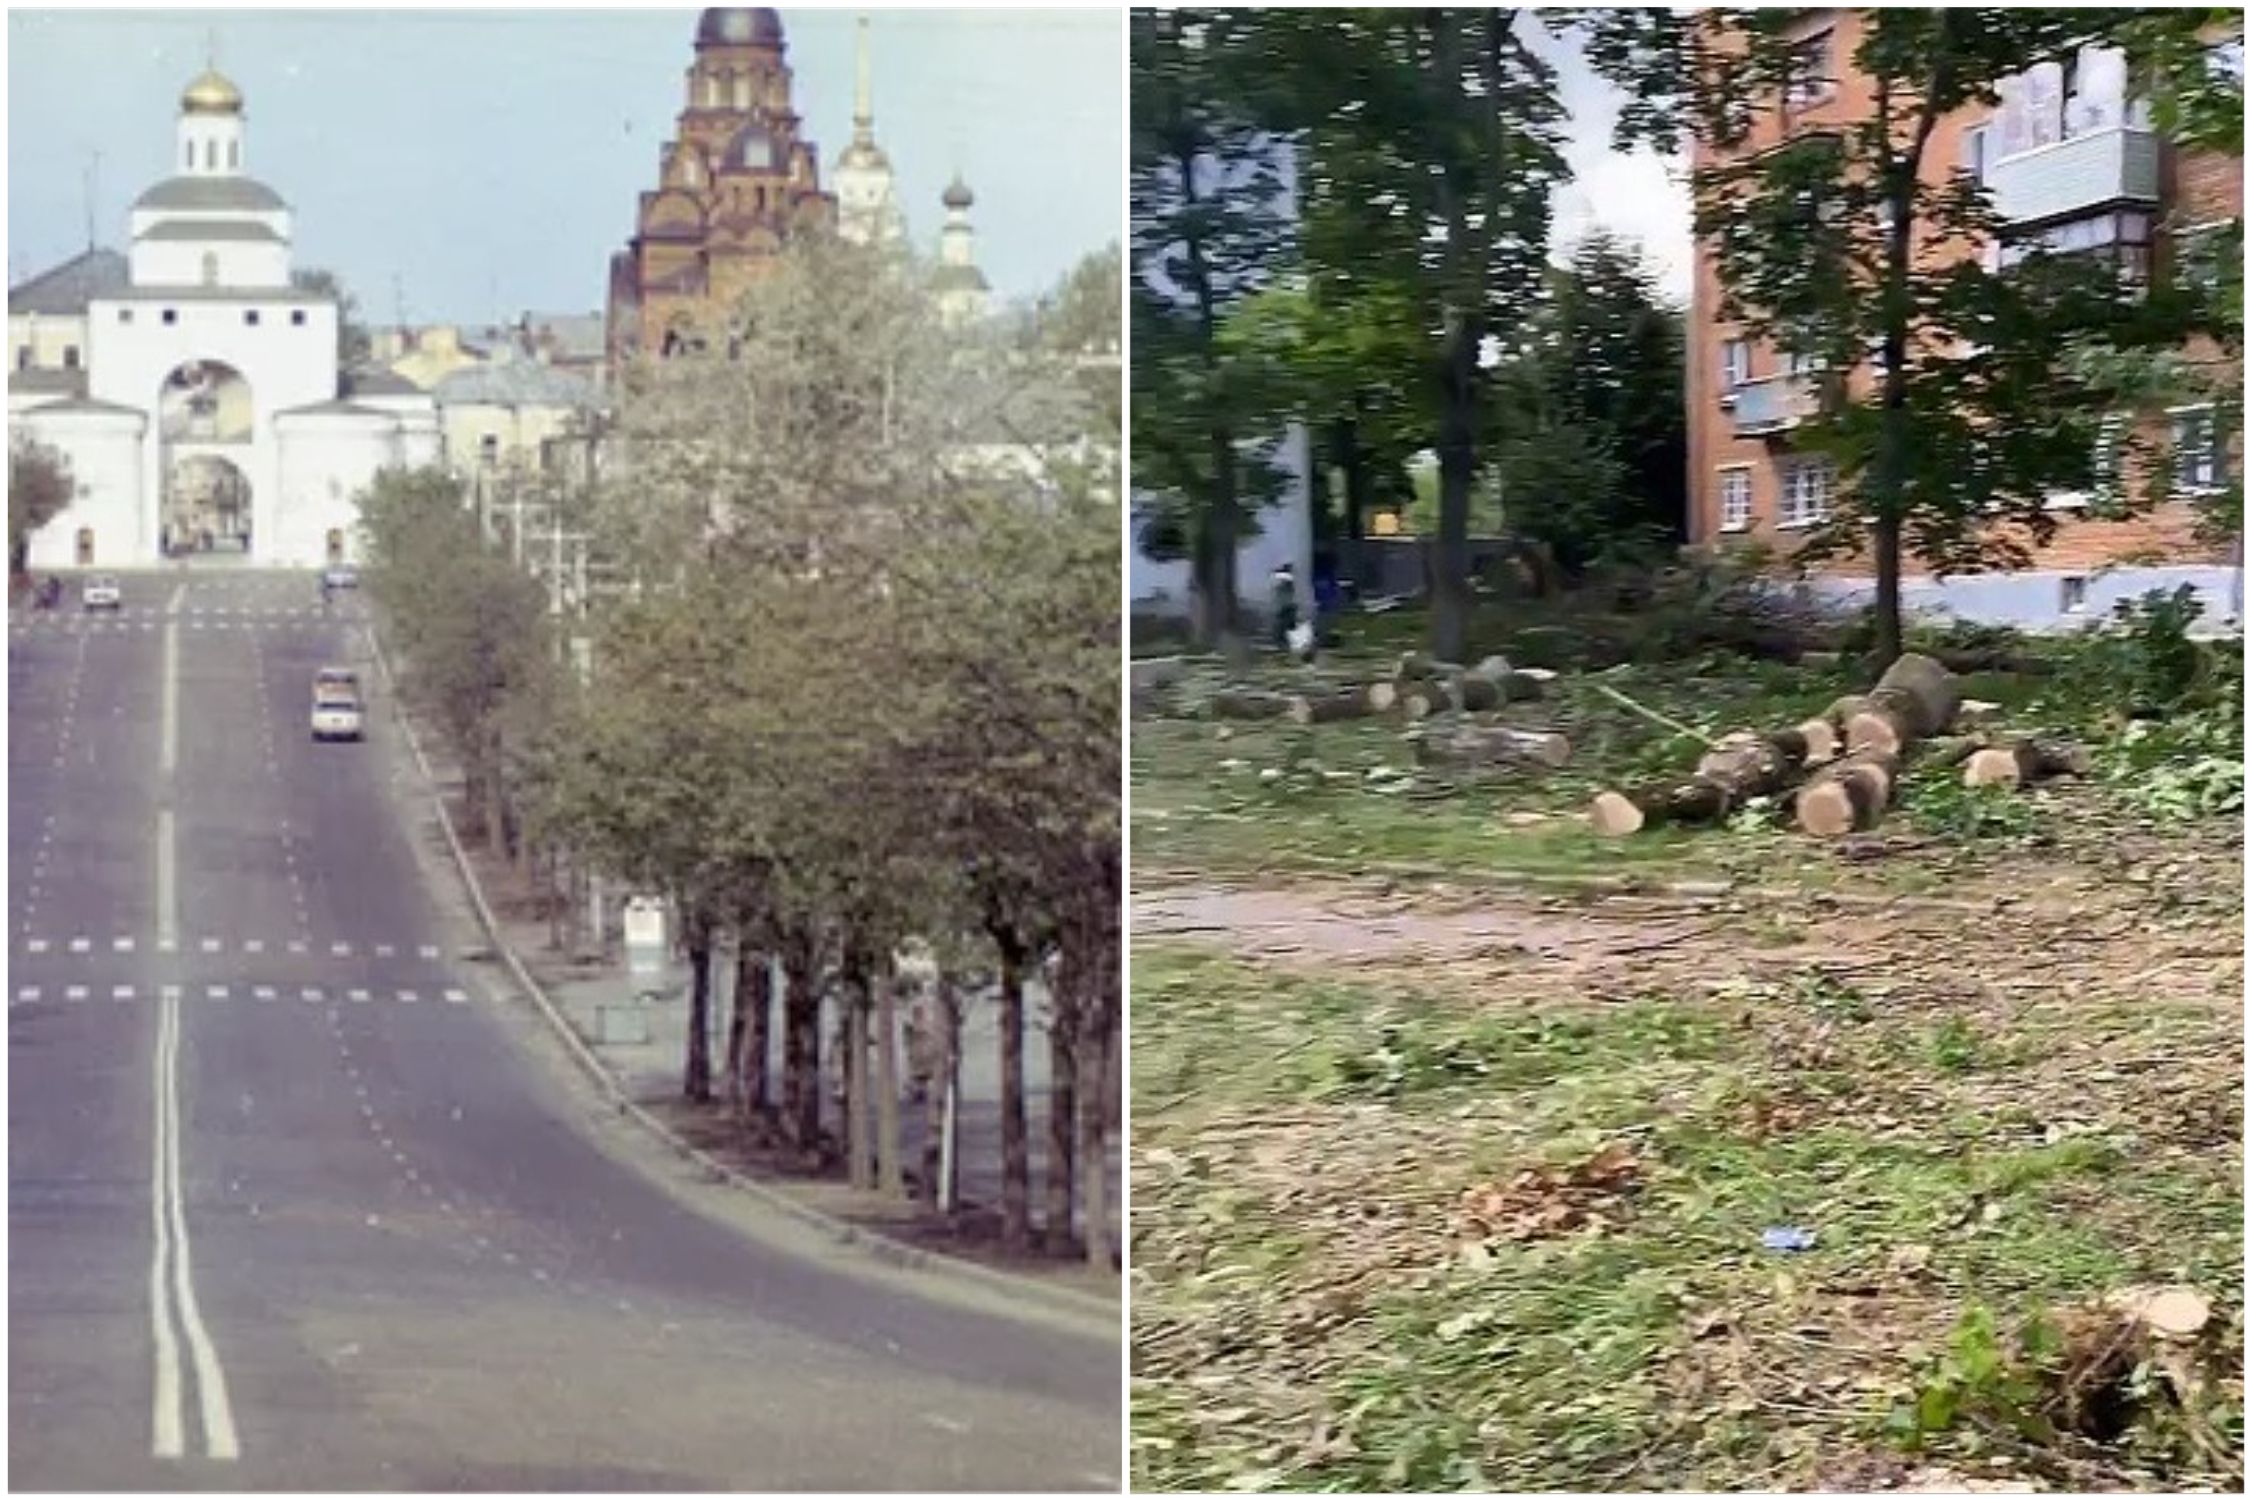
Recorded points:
(293,1206)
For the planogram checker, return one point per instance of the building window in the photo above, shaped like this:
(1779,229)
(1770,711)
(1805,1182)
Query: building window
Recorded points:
(210,268)
(1734,363)
(2074,595)
(189,152)
(250,316)
(234,154)
(70,356)
(1973,143)
(2198,455)
(1803,362)
(2104,471)
(488,449)
(298,317)
(2122,238)
(171,315)
(1805,487)
(124,315)
(23,356)
(1734,499)
(1811,78)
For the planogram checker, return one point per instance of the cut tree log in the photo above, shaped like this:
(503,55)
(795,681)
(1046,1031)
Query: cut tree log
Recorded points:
(1738,767)
(1490,744)
(1249,703)
(1944,755)
(2024,761)
(1848,795)
(1506,683)
(1914,700)
(1840,712)
(1413,666)
(1821,741)
(1382,697)
(1420,698)
(1328,708)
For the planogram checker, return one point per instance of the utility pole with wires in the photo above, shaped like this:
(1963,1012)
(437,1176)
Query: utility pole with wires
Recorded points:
(93,193)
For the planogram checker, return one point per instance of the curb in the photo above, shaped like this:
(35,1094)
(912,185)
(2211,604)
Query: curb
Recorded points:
(881,1246)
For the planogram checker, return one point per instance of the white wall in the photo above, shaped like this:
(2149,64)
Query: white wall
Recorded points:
(1284,536)
(241,263)
(327,458)
(286,364)
(104,452)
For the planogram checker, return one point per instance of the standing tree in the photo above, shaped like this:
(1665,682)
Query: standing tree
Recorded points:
(1848,246)
(39,489)
(1210,228)
(353,343)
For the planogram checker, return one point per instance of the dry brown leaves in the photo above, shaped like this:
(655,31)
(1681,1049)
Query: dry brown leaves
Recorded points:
(1543,1202)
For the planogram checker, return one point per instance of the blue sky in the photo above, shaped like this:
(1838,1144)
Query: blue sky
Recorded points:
(490,160)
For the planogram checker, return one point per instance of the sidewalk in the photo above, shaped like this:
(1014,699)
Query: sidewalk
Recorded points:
(651,1071)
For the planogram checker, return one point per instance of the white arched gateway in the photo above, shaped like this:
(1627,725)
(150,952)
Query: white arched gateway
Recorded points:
(208,415)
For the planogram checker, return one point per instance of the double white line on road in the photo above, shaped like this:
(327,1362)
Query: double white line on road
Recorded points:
(171,1274)
(171,1278)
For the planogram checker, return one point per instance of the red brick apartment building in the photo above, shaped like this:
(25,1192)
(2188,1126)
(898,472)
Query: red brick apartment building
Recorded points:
(2068,161)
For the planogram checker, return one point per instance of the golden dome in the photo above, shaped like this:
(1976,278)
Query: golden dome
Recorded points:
(211,94)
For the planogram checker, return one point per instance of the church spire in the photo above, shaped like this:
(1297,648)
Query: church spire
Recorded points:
(863,108)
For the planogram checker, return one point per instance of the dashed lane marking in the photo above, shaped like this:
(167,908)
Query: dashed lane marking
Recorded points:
(27,992)
(74,992)
(215,992)
(263,992)
(457,997)
(121,992)
(360,997)
(81,945)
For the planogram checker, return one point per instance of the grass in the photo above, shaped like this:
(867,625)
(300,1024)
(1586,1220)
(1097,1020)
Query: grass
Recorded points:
(1311,1313)
(1382,1236)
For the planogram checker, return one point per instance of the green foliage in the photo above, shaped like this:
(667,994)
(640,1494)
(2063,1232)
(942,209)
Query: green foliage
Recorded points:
(2143,657)
(1981,1379)
(1958,813)
(39,488)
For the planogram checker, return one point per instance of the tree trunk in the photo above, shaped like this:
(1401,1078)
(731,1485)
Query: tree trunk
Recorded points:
(859,1119)
(800,1079)
(890,1171)
(753,1016)
(2024,761)
(1915,699)
(1063,1011)
(1736,769)
(1353,461)
(1329,708)
(1489,745)
(698,1082)
(1848,795)
(1250,703)
(1015,1143)
(1093,1130)
(1890,637)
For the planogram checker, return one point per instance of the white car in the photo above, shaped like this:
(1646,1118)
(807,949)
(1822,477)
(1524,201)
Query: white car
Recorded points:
(101,592)
(336,718)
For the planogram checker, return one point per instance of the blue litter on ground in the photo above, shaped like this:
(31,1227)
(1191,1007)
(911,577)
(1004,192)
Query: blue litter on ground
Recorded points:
(1788,1239)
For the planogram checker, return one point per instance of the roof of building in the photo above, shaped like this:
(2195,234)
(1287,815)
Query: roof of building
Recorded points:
(569,335)
(267,294)
(247,230)
(373,380)
(87,405)
(242,193)
(211,93)
(337,408)
(70,382)
(515,383)
(957,194)
(67,288)
(739,26)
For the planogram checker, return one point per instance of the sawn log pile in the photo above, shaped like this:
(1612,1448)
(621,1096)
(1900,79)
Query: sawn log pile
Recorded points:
(1841,771)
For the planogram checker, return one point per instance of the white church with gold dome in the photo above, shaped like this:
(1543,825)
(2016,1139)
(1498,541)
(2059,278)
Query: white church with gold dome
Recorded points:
(204,409)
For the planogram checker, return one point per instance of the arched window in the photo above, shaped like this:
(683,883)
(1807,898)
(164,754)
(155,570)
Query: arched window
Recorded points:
(211,156)
(234,154)
(210,268)
(188,151)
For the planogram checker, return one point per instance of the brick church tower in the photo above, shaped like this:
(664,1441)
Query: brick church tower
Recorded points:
(737,183)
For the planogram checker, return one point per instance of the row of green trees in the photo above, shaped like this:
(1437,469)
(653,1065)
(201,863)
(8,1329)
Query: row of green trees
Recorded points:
(851,699)
(1344,218)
